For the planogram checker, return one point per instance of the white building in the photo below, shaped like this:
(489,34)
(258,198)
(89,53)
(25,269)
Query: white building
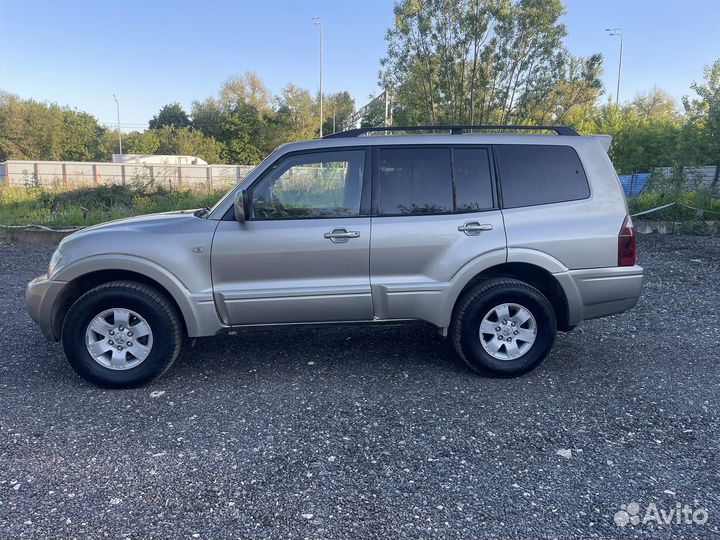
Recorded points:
(149,159)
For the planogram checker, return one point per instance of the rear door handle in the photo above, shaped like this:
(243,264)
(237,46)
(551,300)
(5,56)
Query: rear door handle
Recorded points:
(473,228)
(340,236)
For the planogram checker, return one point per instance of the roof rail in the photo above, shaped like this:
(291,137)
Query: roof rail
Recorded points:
(454,130)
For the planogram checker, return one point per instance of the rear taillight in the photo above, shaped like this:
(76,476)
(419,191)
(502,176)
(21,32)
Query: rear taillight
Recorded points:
(626,244)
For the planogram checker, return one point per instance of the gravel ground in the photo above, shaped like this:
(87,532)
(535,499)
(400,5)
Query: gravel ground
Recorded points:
(373,432)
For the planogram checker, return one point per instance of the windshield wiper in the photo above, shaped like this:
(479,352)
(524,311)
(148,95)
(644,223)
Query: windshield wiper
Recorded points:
(202,212)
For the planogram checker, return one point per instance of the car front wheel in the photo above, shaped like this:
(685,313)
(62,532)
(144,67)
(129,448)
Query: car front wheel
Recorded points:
(122,334)
(503,326)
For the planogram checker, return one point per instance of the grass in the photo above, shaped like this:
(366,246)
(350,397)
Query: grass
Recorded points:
(88,206)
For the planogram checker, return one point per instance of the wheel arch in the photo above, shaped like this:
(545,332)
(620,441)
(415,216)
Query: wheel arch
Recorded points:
(85,282)
(196,305)
(535,276)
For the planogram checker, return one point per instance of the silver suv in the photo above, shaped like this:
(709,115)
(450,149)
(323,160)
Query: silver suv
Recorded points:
(498,240)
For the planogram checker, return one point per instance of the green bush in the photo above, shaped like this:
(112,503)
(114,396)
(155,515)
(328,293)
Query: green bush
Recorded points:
(679,186)
(703,199)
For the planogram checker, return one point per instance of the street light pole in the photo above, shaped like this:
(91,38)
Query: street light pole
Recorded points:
(318,22)
(617,32)
(117,103)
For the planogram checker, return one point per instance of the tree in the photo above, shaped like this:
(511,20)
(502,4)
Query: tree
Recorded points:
(484,61)
(429,49)
(145,142)
(81,136)
(640,142)
(525,48)
(135,142)
(170,115)
(655,103)
(574,85)
(703,125)
(35,130)
(296,119)
(242,131)
(239,119)
(188,142)
(337,110)
(207,116)
(246,88)
(242,125)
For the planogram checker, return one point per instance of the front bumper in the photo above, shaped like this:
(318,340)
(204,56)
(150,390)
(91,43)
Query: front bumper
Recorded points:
(598,292)
(40,298)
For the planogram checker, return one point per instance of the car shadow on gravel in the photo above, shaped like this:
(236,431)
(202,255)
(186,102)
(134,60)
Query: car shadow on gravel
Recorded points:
(365,351)
(336,348)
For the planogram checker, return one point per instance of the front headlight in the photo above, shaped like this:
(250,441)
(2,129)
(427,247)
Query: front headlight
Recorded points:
(54,261)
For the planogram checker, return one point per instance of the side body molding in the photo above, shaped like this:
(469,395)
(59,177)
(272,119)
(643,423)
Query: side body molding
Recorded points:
(198,308)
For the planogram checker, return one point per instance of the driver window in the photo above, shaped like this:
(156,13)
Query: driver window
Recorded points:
(312,185)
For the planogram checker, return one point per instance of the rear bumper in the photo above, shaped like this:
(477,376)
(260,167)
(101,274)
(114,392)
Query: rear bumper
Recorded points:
(40,296)
(598,292)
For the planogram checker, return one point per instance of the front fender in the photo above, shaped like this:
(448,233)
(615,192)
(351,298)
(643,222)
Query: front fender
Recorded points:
(197,308)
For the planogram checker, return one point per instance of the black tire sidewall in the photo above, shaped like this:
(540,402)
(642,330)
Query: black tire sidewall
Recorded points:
(530,299)
(164,347)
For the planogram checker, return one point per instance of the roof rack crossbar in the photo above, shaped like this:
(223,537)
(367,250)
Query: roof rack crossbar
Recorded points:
(454,130)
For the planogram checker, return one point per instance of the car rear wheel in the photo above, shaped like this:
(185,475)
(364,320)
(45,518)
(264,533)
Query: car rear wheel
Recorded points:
(503,326)
(122,334)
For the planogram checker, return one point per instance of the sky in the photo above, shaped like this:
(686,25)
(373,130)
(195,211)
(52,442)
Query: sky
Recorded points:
(150,53)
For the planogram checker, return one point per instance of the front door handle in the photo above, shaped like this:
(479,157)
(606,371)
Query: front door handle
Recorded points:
(340,236)
(473,228)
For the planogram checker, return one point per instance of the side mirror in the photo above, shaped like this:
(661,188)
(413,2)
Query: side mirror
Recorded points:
(242,211)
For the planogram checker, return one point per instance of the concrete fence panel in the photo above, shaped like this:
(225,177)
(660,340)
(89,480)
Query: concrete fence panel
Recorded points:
(72,174)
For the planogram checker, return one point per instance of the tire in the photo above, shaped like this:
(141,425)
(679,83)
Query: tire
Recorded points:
(156,345)
(523,352)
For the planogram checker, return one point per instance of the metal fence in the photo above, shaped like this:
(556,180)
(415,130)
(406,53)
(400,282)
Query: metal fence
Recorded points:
(74,174)
(633,184)
(702,176)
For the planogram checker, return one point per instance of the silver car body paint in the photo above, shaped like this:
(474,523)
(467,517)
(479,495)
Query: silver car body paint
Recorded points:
(285,271)
(222,273)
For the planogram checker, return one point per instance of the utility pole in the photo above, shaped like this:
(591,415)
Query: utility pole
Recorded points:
(117,103)
(617,32)
(317,21)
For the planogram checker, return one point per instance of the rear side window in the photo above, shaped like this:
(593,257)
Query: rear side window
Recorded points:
(473,182)
(414,181)
(537,174)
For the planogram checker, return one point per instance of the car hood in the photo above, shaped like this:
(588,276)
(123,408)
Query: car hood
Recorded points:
(162,238)
(147,222)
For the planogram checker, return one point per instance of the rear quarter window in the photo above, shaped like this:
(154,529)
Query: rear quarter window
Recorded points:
(540,174)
